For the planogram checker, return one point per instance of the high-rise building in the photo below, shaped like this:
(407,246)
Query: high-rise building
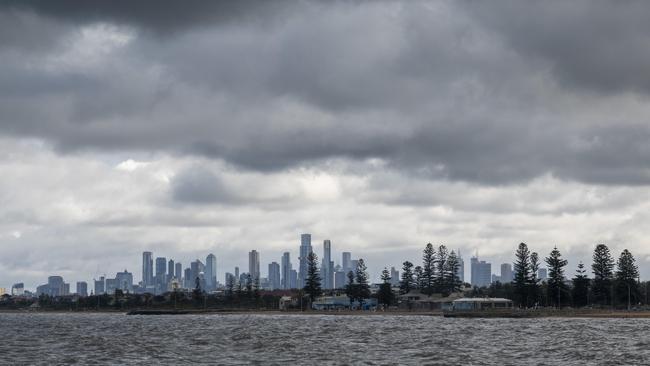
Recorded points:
(161,275)
(347,262)
(340,279)
(124,281)
(18,289)
(147,269)
(170,270)
(187,278)
(179,272)
(481,272)
(327,266)
(274,275)
(293,277)
(237,274)
(394,277)
(305,250)
(100,286)
(254,265)
(461,268)
(196,268)
(286,270)
(354,263)
(82,288)
(211,272)
(506,273)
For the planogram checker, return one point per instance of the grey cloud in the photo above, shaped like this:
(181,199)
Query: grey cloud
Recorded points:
(198,185)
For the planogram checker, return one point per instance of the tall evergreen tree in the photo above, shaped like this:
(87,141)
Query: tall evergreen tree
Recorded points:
(361,277)
(452,280)
(522,274)
(533,282)
(441,285)
(627,274)
(408,282)
(602,268)
(580,293)
(312,282)
(556,278)
(385,294)
(428,269)
(419,278)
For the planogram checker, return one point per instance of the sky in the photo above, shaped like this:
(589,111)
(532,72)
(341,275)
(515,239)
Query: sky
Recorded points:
(188,128)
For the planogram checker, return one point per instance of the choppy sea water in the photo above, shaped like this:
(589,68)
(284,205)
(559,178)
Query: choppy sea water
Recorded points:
(116,339)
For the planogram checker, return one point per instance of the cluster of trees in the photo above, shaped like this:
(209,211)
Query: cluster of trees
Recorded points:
(613,283)
(438,273)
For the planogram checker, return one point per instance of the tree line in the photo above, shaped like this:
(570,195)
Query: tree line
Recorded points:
(437,274)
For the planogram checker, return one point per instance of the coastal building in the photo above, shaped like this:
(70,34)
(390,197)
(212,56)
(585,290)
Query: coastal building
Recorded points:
(481,272)
(305,250)
(473,304)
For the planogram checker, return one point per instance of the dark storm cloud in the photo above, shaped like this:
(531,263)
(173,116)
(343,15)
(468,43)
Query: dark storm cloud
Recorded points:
(489,93)
(198,185)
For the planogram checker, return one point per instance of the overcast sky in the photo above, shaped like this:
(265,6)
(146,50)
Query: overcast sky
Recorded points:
(192,127)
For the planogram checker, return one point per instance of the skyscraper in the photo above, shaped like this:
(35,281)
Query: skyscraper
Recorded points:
(461,268)
(305,250)
(286,270)
(124,281)
(161,275)
(394,277)
(100,286)
(147,269)
(327,266)
(254,265)
(274,275)
(506,273)
(481,272)
(82,288)
(179,272)
(196,268)
(211,272)
(346,262)
(170,270)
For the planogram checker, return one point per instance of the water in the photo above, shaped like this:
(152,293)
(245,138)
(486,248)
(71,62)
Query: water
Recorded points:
(112,339)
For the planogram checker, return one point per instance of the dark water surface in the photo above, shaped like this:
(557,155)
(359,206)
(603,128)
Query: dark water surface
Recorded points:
(105,339)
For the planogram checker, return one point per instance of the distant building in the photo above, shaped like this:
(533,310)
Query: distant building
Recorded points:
(274,276)
(211,272)
(82,288)
(147,269)
(354,263)
(124,281)
(178,272)
(394,277)
(340,279)
(346,262)
(305,250)
(170,270)
(461,268)
(161,275)
(481,272)
(327,266)
(111,285)
(506,273)
(254,265)
(187,278)
(286,271)
(293,279)
(3,291)
(100,286)
(18,289)
(542,274)
(55,286)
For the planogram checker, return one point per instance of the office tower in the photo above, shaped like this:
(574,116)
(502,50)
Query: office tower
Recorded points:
(354,263)
(18,289)
(100,286)
(211,272)
(187,278)
(161,275)
(340,279)
(506,273)
(481,272)
(542,274)
(305,250)
(230,280)
(461,268)
(237,273)
(196,268)
(179,272)
(254,265)
(124,281)
(394,277)
(274,275)
(327,266)
(293,279)
(170,270)
(82,288)
(286,271)
(111,285)
(346,263)
(147,269)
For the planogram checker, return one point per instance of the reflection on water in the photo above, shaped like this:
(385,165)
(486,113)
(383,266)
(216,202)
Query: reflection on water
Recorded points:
(314,339)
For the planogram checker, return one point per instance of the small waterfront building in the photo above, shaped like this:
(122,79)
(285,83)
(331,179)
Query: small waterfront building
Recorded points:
(470,304)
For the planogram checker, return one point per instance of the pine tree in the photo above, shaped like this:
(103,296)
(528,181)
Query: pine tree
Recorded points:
(351,288)
(522,274)
(556,278)
(428,269)
(419,281)
(407,282)
(361,278)
(533,281)
(580,292)
(385,294)
(602,268)
(627,274)
(312,282)
(452,280)
(441,266)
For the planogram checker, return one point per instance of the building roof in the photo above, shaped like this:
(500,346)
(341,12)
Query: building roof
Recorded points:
(482,299)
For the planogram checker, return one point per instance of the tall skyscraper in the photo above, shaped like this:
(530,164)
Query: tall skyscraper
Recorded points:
(394,277)
(347,262)
(340,279)
(305,250)
(506,273)
(354,263)
(124,281)
(461,268)
(211,272)
(100,286)
(82,288)
(286,270)
(293,277)
(327,266)
(196,268)
(161,275)
(481,272)
(170,270)
(274,275)
(254,265)
(179,272)
(147,269)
